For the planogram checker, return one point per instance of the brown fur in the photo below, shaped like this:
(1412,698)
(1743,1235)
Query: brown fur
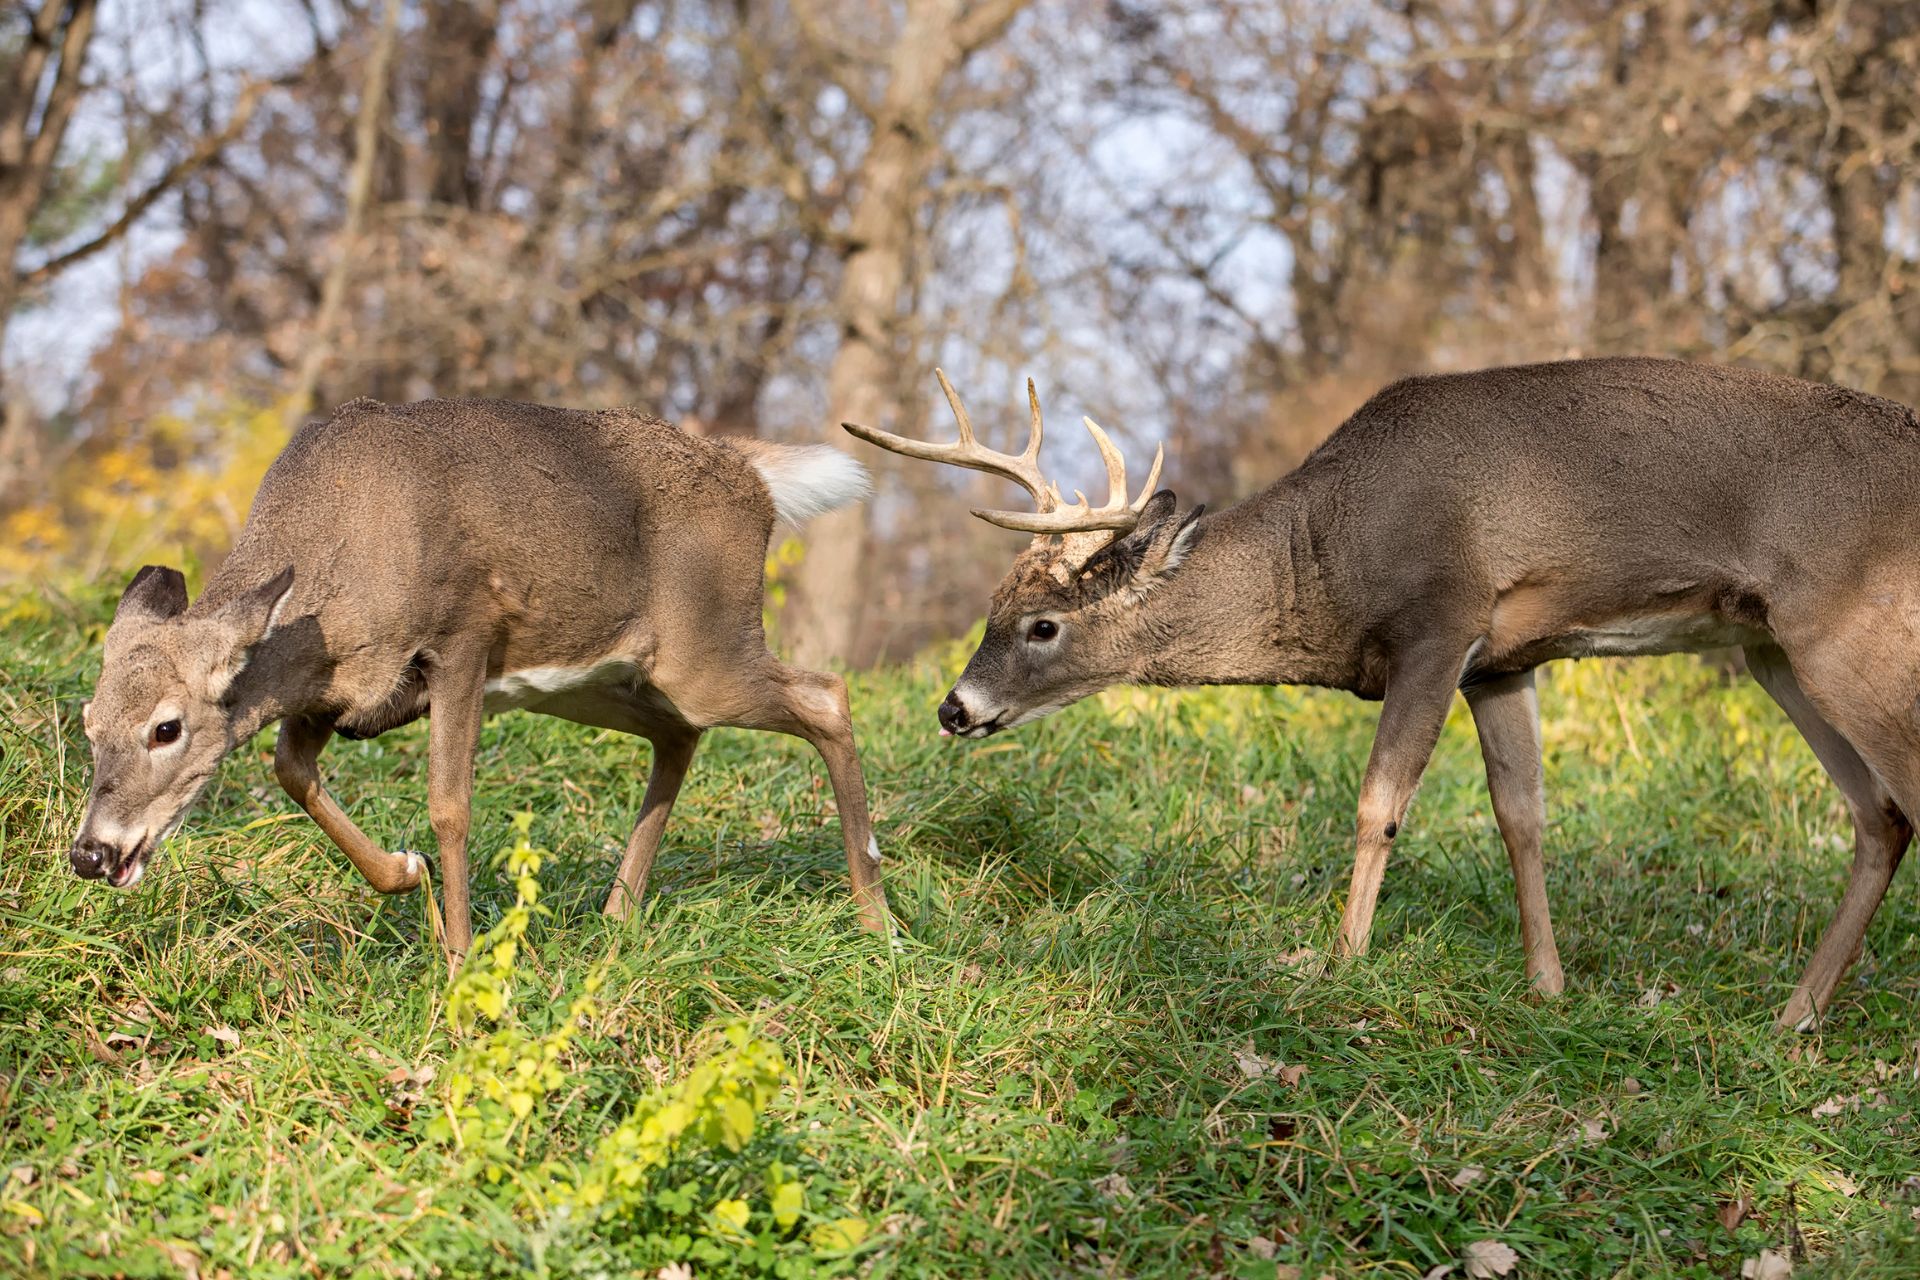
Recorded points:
(440,552)
(1461,529)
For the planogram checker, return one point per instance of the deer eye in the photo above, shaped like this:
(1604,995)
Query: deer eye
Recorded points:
(1043,629)
(165,732)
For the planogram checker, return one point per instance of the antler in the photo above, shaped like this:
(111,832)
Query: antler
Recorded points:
(1021,468)
(1054,515)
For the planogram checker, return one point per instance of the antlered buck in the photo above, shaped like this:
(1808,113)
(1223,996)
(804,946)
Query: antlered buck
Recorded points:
(458,558)
(1460,530)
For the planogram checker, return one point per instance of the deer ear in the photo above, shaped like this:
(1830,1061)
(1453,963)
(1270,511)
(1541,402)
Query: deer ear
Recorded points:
(1154,548)
(156,594)
(248,619)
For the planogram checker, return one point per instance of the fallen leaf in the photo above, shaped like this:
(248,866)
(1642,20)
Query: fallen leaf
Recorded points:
(152,1177)
(1839,1182)
(1655,994)
(1770,1265)
(1631,1086)
(1594,1131)
(1440,1272)
(1251,795)
(1114,1186)
(1734,1212)
(226,1035)
(1254,1066)
(1841,1103)
(1261,1247)
(1467,1177)
(1487,1259)
(675,1271)
(1291,1076)
(182,1255)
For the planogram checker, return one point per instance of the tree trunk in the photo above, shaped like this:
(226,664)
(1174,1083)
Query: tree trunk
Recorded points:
(359,185)
(60,32)
(935,40)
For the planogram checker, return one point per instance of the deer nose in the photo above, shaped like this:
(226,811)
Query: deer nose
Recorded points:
(953,715)
(88,858)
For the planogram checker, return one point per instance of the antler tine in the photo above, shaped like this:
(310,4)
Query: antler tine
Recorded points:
(959,410)
(1153,479)
(1082,516)
(1037,429)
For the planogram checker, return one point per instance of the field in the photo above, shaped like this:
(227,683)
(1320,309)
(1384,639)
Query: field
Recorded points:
(1106,1043)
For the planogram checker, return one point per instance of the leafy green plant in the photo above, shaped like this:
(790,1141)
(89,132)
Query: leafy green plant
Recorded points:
(678,1179)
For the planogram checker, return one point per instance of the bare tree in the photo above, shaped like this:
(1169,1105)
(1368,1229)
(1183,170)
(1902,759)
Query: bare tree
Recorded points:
(899,87)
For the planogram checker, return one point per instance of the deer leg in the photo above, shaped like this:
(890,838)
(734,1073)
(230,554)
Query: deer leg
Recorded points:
(813,706)
(1506,712)
(1881,832)
(296,764)
(672,753)
(457,687)
(1419,692)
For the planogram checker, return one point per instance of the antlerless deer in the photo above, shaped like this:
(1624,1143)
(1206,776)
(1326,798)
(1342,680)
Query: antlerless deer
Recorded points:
(464,557)
(1458,531)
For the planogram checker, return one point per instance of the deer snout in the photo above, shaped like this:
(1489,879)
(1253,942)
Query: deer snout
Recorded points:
(88,858)
(953,714)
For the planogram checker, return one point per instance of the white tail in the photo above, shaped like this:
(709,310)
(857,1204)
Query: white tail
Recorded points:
(806,480)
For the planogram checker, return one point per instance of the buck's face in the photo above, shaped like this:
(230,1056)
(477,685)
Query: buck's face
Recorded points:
(160,721)
(1056,633)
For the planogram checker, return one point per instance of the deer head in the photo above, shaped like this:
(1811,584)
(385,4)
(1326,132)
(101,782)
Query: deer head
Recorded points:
(1066,620)
(161,718)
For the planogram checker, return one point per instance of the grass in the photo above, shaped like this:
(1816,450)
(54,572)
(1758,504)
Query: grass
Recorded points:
(1070,1065)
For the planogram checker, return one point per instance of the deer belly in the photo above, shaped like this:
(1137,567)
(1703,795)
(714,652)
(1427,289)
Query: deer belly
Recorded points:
(608,695)
(1654,634)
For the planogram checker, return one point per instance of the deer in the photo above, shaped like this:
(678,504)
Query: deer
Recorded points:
(1461,529)
(455,559)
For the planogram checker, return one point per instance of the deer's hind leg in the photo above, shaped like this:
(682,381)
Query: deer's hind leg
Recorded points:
(672,754)
(1863,764)
(813,706)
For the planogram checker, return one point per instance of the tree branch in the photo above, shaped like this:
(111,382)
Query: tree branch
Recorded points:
(366,145)
(182,168)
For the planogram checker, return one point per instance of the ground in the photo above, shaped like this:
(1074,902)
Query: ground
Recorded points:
(1105,1044)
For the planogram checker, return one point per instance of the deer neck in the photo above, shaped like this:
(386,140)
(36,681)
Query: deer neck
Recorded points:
(1247,606)
(287,673)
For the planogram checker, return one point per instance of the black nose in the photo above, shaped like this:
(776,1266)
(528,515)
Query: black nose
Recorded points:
(88,858)
(953,716)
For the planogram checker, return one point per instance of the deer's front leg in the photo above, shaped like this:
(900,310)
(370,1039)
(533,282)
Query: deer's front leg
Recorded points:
(1506,711)
(1419,691)
(296,763)
(457,687)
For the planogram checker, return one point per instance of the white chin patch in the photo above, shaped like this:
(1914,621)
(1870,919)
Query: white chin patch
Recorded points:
(1028,717)
(139,869)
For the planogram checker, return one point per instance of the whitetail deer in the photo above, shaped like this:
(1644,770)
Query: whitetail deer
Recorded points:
(1460,530)
(461,558)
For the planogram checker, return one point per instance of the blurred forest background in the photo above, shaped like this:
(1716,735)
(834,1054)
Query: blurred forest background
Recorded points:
(1220,223)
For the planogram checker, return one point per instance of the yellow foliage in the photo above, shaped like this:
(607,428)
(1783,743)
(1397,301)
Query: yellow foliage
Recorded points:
(175,490)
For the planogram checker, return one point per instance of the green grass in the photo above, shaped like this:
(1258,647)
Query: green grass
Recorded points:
(1104,914)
